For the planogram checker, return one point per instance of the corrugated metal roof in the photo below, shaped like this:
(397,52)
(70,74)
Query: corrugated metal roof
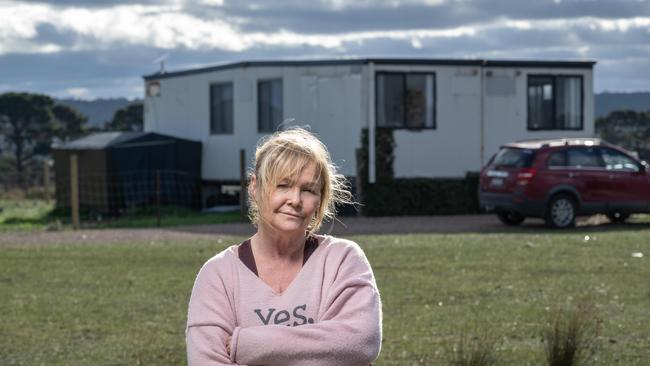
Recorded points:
(585,64)
(99,140)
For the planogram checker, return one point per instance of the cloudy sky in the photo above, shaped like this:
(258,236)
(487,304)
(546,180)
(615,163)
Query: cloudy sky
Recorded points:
(101,48)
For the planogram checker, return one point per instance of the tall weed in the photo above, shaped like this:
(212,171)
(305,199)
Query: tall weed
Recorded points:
(572,336)
(473,350)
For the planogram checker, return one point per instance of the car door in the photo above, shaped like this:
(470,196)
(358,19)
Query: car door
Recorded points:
(628,182)
(586,169)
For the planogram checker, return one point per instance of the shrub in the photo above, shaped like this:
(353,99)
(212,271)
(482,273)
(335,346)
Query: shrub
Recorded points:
(411,196)
(571,339)
(422,196)
(473,350)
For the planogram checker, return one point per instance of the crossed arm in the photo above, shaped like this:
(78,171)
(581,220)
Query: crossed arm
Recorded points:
(348,331)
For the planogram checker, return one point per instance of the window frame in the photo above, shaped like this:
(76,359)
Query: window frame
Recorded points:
(227,131)
(593,151)
(259,105)
(405,112)
(562,152)
(554,78)
(639,166)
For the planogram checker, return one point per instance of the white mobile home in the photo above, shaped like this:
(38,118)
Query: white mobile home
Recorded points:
(448,116)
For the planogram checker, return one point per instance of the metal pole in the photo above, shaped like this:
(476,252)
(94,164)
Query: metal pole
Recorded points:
(158,197)
(359,179)
(74,190)
(371,124)
(482,119)
(242,185)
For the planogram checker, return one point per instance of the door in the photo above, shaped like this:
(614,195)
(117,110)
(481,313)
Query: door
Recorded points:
(586,169)
(628,183)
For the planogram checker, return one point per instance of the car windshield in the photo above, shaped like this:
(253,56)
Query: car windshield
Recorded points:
(514,158)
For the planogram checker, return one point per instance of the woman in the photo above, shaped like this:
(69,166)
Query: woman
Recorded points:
(287,296)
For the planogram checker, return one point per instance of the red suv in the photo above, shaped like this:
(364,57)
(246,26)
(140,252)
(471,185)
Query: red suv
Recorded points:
(559,179)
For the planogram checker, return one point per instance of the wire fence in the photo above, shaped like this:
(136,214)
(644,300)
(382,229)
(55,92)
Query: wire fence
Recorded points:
(104,196)
(128,193)
(115,193)
(26,185)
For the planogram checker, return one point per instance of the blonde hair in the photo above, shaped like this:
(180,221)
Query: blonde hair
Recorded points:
(285,154)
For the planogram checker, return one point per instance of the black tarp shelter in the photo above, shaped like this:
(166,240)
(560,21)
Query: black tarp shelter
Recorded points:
(123,170)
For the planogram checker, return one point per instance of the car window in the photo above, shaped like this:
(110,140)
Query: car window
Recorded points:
(557,159)
(514,158)
(584,157)
(617,161)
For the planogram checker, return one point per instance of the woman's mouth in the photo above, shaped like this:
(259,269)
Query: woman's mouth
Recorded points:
(298,216)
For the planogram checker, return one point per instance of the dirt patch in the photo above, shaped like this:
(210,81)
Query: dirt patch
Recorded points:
(345,226)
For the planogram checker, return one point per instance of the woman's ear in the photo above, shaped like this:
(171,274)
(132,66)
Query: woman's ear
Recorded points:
(252,186)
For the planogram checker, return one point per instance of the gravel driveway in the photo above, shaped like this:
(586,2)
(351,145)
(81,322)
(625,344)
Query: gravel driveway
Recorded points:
(347,226)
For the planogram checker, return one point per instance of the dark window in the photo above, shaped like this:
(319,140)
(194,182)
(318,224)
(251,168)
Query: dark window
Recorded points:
(584,157)
(557,159)
(617,161)
(555,102)
(221,106)
(514,158)
(269,105)
(406,100)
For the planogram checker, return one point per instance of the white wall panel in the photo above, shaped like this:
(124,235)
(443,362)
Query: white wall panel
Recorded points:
(333,100)
(506,116)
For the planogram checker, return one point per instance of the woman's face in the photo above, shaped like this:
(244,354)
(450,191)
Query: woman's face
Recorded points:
(292,203)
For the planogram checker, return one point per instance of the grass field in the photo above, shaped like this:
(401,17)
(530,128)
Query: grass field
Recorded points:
(126,304)
(36,215)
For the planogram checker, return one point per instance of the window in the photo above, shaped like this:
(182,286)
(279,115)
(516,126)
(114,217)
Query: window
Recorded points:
(221,106)
(554,102)
(514,158)
(557,159)
(269,105)
(582,158)
(617,161)
(405,100)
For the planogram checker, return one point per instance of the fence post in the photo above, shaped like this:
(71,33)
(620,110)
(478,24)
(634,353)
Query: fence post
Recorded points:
(158,197)
(358,181)
(242,184)
(46,181)
(74,190)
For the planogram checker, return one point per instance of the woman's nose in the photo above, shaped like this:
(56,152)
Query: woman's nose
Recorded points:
(294,196)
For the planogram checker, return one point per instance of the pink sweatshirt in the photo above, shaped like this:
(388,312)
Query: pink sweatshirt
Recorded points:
(329,315)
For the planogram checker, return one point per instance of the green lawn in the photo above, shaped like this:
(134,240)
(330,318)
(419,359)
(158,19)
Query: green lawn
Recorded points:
(126,304)
(38,215)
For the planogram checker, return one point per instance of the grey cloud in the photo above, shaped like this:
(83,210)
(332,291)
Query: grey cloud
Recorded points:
(624,56)
(311,19)
(622,75)
(48,33)
(116,72)
(93,3)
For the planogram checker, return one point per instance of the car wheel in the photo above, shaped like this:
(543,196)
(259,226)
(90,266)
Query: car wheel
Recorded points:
(510,218)
(561,212)
(617,217)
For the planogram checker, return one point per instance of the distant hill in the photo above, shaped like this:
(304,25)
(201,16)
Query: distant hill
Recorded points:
(98,111)
(607,102)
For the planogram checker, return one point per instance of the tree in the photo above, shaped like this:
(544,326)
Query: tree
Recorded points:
(69,123)
(128,118)
(25,126)
(630,129)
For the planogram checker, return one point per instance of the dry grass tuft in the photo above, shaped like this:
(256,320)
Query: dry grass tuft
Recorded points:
(572,339)
(474,350)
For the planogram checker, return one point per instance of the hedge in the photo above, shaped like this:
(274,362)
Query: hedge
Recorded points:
(411,196)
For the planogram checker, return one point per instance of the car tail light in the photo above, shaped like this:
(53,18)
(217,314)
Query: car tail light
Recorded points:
(525,175)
